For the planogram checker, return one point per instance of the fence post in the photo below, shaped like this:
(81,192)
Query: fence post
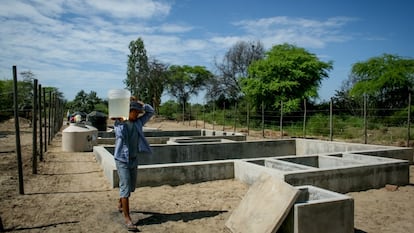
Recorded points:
(204,116)
(409,120)
(44,118)
(34,127)
(189,118)
(214,114)
(263,134)
(365,119)
(17,129)
(40,124)
(53,115)
(49,135)
(304,118)
(248,119)
(183,113)
(196,117)
(224,115)
(281,120)
(331,120)
(235,117)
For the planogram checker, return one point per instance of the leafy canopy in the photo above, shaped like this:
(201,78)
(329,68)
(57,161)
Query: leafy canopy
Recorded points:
(387,79)
(287,73)
(87,103)
(185,81)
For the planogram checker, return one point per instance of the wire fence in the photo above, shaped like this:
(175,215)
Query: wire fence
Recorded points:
(361,125)
(44,113)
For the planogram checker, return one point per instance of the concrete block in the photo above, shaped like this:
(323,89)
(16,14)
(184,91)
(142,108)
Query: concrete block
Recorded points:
(182,173)
(264,207)
(319,210)
(249,171)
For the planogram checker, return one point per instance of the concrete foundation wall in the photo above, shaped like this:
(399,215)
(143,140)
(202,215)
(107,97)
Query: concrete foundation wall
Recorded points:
(164,140)
(180,173)
(353,179)
(167,174)
(107,163)
(396,153)
(339,172)
(248,172)
(321,161)
(150,132)
(180,153)
(342,179)
(284,166)
(319,210)
(172,133)
(308,147)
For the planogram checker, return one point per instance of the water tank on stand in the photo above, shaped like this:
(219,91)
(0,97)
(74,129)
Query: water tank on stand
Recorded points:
(79,138)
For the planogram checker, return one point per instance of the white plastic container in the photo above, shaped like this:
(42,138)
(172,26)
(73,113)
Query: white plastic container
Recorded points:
(79,138)
(118,103)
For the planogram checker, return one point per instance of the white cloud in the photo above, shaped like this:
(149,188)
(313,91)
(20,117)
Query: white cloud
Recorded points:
(82,44)
(303,32)
(145,9)
(174,28)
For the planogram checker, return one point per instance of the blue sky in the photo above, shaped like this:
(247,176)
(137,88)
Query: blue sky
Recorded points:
(83,44)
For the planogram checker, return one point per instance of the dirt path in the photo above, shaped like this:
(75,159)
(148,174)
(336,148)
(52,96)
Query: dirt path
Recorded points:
(70,194)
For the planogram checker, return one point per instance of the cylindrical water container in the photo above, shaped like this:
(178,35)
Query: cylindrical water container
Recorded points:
(79,138)
(118,103)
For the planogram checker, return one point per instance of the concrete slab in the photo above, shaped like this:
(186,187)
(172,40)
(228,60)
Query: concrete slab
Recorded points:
(264,207)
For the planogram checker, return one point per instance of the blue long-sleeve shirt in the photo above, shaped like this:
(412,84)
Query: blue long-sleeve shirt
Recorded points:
(123,146)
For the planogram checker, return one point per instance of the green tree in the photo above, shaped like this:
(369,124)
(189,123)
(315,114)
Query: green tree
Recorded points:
(185,81)
(137,80)
(169,109)
(84,102)
(287,73)
(386,80)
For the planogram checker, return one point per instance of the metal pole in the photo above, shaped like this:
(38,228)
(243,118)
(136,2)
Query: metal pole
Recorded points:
(263,133)
(54,110)
(331,120)
(17,129)
(409,120)
(183,112)
(281,119)
(214,113)
(189,119)
(196,117)
(304,118)
(49,122)
(224,114)
(34,127)
(52,122)
(40,124)
(44,117)
(365,119)
(248,119)
(235,117)
(204,116)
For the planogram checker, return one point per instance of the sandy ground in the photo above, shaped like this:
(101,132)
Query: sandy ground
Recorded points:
(70,194)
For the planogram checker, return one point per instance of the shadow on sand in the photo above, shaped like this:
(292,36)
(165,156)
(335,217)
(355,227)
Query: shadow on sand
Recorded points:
(158,218)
